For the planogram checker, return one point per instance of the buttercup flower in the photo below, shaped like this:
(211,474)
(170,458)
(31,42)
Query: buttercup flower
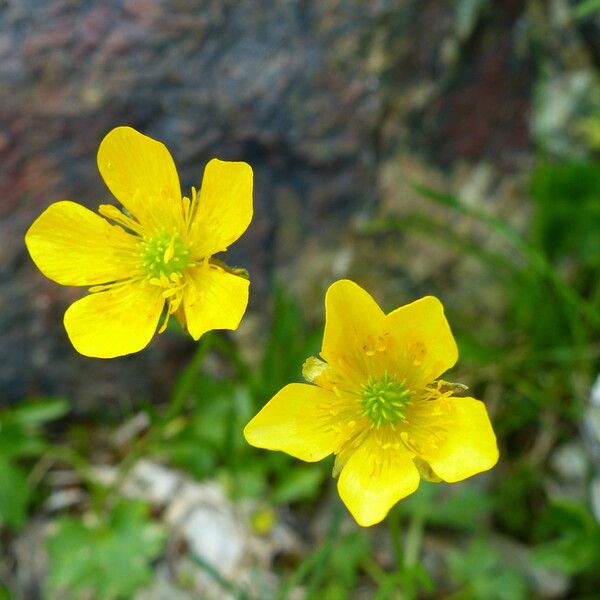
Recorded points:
(376,403)
(153,258)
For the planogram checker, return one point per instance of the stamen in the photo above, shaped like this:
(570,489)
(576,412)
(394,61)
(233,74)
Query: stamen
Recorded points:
(114,214)
(169,251)
(313,368)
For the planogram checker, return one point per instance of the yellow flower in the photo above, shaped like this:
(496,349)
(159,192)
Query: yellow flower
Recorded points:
(155,257)
(377,406)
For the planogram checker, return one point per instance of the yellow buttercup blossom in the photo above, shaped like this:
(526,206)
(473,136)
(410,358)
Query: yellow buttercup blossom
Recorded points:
(375,401)
(153,258)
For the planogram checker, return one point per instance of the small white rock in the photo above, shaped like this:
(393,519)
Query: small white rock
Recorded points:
(152,482)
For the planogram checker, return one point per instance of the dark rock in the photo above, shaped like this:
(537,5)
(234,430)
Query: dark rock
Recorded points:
(313,94)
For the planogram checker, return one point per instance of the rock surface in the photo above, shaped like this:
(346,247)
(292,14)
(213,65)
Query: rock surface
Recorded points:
(331,101)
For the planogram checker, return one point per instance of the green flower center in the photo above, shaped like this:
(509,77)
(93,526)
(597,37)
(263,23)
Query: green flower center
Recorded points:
(384,401)
(164,254)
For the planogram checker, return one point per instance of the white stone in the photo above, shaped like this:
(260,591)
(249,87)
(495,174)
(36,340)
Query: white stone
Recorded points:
(570,462)
(152,482)
(215,536)
(595,393)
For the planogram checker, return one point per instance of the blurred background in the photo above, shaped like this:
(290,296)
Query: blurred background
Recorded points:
(415,146)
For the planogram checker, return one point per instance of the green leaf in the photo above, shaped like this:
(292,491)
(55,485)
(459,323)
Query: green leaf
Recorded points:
(567,194)
(19,435)
(289,344)
(38,412)
(481,573)
(105,559)
(14,494)
(17,441)
(438,232)
(576,547)
(569,555)
(346,557)
(186,453)
(461,507)
(5,594)
(466,14)
(300,483)
(586,8)
(251,481)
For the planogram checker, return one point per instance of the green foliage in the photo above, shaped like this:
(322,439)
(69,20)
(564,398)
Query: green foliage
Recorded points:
(20,434)
(517,498)
(586,8)
(550,280)
(105,559)
(576,544)
(21,439)
(481,573)
(344,565)
(5,594)
(463,507)
(466,14)
(289,344)
(210,435)
(209,438)
(302,483)
(14,493)
(567,193)
(332,570)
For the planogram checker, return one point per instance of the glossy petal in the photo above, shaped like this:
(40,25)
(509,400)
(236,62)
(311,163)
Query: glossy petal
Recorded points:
(374,479)
(214,299)
(420,332)
(74,246)
(141,174)
(296,421)
(353,323)
(119,321)
(471,444)
(225,207)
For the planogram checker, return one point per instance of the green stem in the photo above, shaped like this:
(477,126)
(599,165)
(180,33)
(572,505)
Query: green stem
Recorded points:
(227,586)
(231,353)
(394,521)
(407,557)
(186,381)
(59,453)
(315,564)
(534,258)
(414,541)
(177,405)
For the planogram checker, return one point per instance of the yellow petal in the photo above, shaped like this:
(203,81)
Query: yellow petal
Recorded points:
(74,246)
(296,421)
(119,321)
(225,207)
(471,444)
(419,331)
(213,299)
(141,174)
(353,324)
(374,479)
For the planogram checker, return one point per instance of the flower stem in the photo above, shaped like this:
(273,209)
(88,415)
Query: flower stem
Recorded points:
(407,555)
(180,397)
(414,540)
(186,381)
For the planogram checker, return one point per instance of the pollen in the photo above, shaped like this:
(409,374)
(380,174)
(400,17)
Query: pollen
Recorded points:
(385,400)
(164,257)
